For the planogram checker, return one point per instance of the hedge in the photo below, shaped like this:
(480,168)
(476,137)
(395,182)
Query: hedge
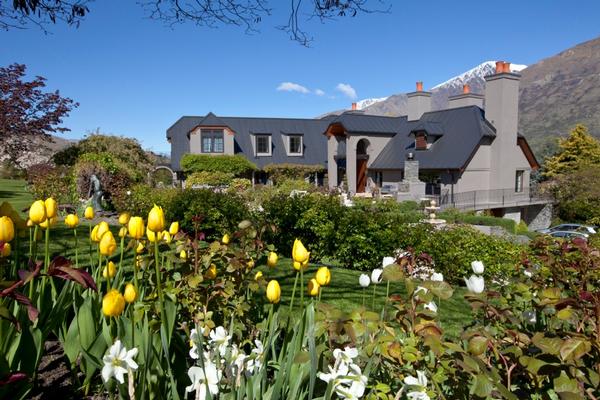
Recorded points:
(232,164)
(289,171)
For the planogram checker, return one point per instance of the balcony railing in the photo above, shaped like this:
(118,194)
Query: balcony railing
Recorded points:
(495,198)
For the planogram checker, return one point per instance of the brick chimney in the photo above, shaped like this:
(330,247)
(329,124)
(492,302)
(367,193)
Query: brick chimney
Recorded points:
(466,98)
(354,107)
(502,111)
(419,102)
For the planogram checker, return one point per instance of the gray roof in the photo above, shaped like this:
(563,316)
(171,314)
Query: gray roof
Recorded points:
(460,132)
(357,122)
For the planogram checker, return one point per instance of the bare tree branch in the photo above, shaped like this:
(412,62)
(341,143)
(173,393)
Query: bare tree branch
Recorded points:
(22,13)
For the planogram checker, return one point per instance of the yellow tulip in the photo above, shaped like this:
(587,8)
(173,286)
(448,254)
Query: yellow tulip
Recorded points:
(167,237)
(174,228)
(113,303)
(272,259)
(140,248)
(183,255)
(7,210)
(108,245)
(51,207)
(212,272)
(30,222)
(5,251)
(153,236)
(102,229)
(37,212)
(273,292)
(48,222)
(299,252)
(122,232)
(94,234)
(156,219)
(225,239)
(89,212)
(130,293)
(124,218)
(298,265)
(72,220)
(136,227)
(258,275)
(7,229)
(323,276)
(110,270)
(313,287)
(250,264)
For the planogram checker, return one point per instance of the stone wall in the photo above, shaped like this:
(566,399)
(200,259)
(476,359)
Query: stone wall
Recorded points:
(538,216)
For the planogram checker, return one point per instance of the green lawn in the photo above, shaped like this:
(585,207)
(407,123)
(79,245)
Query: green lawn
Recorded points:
(343,292)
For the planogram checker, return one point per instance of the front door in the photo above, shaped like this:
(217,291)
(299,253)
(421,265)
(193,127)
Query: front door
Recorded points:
(361,175)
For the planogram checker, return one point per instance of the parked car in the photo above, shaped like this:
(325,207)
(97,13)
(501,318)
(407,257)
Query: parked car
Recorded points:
(568,234)
(586,229)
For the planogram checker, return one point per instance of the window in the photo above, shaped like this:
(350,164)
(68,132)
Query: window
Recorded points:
(263,145)
(212,140)
(519,181)
(295,144)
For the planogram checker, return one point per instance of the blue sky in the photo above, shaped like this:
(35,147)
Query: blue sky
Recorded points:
(135,77)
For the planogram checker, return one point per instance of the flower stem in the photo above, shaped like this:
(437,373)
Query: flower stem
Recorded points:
(373,299)
(293,293)
(76,248)
(302,285)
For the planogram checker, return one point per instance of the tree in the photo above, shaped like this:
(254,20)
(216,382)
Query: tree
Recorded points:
(578,150)
(206,13)
(27,112)
(578,195)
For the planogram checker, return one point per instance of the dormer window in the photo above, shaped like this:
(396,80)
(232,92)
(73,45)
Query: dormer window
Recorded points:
(212,140)
(263,145)
(295,145)
(420,141)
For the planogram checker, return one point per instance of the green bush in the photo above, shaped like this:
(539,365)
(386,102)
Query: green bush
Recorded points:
(286,171)
(46,180)
(236,164)
(209,178)
(286,186)
(142,197)
(240,184)
(455,216)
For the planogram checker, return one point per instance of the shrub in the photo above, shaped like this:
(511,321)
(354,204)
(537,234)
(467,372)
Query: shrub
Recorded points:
(67,156)
(240,184)
(286,171)
(286,186)
(236,164)
(209,178)
(143,197)
(455,216)
(46,180)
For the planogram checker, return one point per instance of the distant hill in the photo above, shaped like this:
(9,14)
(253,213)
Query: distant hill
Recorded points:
(41,150)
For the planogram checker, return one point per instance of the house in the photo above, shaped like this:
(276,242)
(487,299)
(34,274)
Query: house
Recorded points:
(467,156)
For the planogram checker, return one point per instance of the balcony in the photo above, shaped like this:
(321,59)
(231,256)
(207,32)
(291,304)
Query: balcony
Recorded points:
(489,199)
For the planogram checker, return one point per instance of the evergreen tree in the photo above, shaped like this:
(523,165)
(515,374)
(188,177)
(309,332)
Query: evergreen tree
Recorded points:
(578,150)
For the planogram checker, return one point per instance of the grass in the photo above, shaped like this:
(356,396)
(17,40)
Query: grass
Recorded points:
(344,291)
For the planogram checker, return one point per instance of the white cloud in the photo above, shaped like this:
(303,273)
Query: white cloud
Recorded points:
(346,89)
(292,87)
(319,92)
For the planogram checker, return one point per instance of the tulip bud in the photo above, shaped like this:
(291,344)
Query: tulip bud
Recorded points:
(299,252)
(477,267)
(273,292)
(5,250)
(174,228)
(140,248)
(108,245)
(94,234)
(130,293)
(89,212)
(113,303)
(364,280)
(109,271)
(156,219)
(250,264)
(51,207)
(272,259)
(123,232)
(37,212)
(313,287)
(7,229)
(166,237)
(183,255)
(212,272)
(102,229)
(48,222)
(30,222)
(72,220)
(153,236)
(123,218)
(258,276)
(225,239)
(323,276)
(136,227)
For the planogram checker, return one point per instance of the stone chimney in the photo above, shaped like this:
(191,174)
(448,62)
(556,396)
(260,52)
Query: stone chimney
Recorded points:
(354,107)
(502,111)
(466,98)
(419,102)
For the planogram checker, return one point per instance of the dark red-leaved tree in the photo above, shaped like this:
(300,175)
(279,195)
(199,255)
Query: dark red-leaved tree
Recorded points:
(27,111)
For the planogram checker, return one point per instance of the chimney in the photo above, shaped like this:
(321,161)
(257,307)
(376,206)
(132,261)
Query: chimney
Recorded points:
(466,98)
(502,111)
(354,107)
(419,102)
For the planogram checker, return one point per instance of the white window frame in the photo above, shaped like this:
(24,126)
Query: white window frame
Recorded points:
(301,152)
(519,181)
(270,145)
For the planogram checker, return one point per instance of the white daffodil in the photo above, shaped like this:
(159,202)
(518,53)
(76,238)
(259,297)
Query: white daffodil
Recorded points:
(376,275)
(437,277)
(118,362)
(417,396)
(420,289)
(219,339)
(255,359)
(194,343)
(387,261)
(477,267)
(528,273)
(475,284)
(347,381)
(345,356)
(364,280)
(420,380)
(431,306)
(530,316)
(203,379)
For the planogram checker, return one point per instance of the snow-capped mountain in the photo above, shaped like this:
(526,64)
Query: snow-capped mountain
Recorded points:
(362,104)
(477,73)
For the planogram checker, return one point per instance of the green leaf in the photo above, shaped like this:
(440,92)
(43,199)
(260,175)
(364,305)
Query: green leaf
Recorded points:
(440,289)
(481,386)
(393,273)
(546,344)
(565,384)
(574,348)
(532,364)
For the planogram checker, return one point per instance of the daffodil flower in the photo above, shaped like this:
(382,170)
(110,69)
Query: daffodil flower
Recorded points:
(118,362)
(219,339)
(204,379)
